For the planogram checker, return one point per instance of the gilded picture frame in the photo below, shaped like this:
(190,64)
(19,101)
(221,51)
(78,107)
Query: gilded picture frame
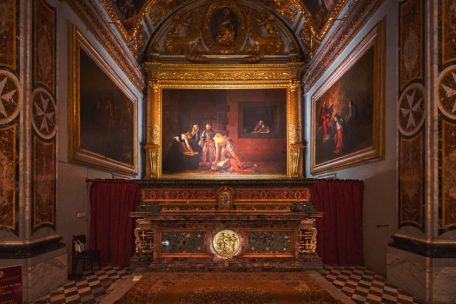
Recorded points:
(328,158)
(123,102)
(164,76)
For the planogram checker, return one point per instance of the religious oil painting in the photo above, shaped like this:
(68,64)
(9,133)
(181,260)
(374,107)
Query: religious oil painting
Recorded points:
(224,132)
(448,31)
(104,113)
(411,40)
(320,10)
(347,119)
(44,181)
(8,191)
(8,33)
(411,180)
(128,11)
(448,175)
(44,45)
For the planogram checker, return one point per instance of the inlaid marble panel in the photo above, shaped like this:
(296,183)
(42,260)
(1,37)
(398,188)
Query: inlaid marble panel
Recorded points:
(183,242)
(269,242)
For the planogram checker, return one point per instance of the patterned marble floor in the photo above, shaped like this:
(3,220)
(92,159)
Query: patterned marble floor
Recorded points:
(359,283)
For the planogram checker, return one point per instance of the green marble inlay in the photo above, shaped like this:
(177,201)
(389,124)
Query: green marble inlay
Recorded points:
(183,242)
(269,242)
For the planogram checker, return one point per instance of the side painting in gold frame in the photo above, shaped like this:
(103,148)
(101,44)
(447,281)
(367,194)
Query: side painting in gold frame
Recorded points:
(347,110)
(102,112)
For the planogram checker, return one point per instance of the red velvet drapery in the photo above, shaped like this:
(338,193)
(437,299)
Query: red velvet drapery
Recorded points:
(340,231)
(110,226)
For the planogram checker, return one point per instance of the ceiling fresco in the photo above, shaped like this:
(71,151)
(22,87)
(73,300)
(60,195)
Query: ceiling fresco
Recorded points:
(137,20)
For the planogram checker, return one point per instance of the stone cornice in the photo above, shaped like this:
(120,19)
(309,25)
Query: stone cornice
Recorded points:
(93,17)
(358,12)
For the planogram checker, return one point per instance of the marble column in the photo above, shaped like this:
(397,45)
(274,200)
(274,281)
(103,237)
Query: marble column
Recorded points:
(421,257)
(28,141)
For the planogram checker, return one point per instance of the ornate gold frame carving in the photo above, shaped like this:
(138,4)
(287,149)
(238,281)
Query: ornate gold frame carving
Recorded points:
(223,76)
(77,41)
(376,39)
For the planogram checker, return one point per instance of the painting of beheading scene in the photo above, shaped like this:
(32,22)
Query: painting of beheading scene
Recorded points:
(224,132)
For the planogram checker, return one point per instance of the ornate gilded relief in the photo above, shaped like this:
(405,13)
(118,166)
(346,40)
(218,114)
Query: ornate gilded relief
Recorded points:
(44,118)
(447,168)
(8,33)
(9,97)
(448,31)
(8,174)
(226,243)
(411,109)
(411,180)
(227,28)
(43,183)
(44,45)
(225,198)
(411,41)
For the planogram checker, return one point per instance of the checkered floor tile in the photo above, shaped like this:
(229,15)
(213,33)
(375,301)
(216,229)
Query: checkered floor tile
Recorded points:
(359,283)
(90,288)
(365,286)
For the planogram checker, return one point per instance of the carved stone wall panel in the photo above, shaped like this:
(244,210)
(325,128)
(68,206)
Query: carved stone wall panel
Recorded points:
(43,182)
(9,176)
(44,42)
(8,34)
(411,180)
(411,31)
(447,32)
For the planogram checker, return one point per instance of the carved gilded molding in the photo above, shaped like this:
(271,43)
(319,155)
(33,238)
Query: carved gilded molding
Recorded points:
(93,17)
(156,11)
(357,14)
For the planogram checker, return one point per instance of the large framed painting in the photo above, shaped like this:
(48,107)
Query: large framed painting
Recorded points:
(223,122)
(8,33)
(347,110)
(226,132)
(103,112)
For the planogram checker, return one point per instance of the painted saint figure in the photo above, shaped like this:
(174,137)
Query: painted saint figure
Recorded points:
(261,128)
(225,29)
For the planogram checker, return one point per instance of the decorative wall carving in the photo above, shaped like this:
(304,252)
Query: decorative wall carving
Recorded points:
(447,92)
(10,96)
(447,174)
(44,118)
(447,32)
(43,182)
(131,20)
(411,42)
(8,33)
(411,114)
(44,41)
(226,28)
(411,109)
(411,178)
(8,177)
